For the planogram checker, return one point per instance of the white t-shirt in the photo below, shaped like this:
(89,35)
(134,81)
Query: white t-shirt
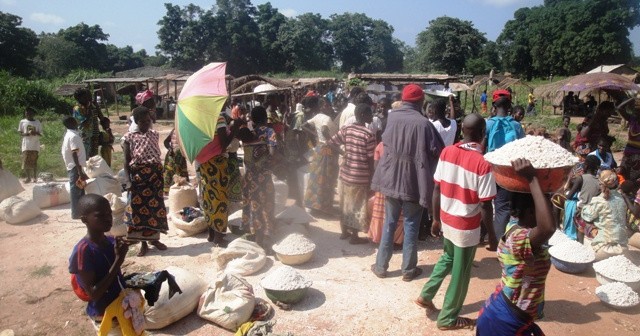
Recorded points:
(375,126)
(30,142)
(73,141)
(347,113)
(320,120)
(448,134)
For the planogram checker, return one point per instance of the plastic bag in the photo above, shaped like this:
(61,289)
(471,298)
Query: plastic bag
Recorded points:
(228,302)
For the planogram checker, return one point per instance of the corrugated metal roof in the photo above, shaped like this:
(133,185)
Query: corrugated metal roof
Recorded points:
(605,68)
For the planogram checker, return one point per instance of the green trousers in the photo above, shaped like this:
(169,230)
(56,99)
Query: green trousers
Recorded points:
(457,261)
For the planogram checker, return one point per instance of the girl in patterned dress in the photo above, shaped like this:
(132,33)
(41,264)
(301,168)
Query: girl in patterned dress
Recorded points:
(519,299)
(145,214)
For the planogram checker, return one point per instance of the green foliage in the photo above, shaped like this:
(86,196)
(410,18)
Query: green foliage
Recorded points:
(568,37)
(447,43)
(18,45)
(364,45)
(294,39)
(49,159)
(16,93)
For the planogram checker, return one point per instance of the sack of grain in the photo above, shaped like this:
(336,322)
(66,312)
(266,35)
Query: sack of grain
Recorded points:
(228,302)
(634,240)
(187,229)
(166,311)
(182,194)
(282,192)
(122,177)
(241,257)
(15,210)
(97,166)
(51,194)
(118,205)
(103,185)
(10,185)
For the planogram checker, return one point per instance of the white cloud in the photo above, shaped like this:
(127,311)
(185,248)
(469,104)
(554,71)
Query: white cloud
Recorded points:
(8,2)
(288,12)
(46,18)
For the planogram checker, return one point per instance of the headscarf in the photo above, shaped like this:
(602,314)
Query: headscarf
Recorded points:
(143,96)
(609,179)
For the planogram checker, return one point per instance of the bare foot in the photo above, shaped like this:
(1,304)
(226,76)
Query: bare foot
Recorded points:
(160,246)
(144,248)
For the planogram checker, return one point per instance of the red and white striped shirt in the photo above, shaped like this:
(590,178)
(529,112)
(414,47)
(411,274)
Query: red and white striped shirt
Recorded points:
(465,180)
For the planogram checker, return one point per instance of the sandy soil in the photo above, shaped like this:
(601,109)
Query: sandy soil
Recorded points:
(346,298)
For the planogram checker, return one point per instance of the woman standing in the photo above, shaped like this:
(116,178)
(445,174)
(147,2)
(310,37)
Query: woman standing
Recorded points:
(519,299)
(323,171)
(257,186)
(631,155)
(88,116)
(377,213)
(145,214)
(214,178)
(174,162)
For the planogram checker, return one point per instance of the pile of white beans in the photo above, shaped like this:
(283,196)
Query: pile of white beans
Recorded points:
(618,294)
(541,152)
(618,268)
(285,278)
(294,244)
(573,252)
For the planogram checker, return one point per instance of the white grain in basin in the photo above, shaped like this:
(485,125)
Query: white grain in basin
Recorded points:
(618,294)
(285,278)
(542,153)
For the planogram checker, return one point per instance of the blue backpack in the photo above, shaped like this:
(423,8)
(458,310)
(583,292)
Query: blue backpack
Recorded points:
(501,133)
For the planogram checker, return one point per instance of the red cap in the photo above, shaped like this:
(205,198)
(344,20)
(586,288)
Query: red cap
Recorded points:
(497,94)
(412,93)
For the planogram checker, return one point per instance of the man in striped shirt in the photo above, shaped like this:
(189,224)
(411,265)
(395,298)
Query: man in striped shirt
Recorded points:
(464,188)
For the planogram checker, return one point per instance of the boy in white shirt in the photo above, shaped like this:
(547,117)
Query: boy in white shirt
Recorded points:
(30,130)
(75,157)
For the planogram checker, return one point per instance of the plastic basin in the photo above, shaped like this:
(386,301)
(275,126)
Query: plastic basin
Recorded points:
(603,280)
(550,179)
(295,259)
(569,267)
(290,296)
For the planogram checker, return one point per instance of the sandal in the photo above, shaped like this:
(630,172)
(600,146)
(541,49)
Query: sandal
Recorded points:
(144,248)
(427,305)
(461,323)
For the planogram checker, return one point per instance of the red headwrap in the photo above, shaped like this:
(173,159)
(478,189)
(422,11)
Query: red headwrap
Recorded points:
(412,93)
(143,96)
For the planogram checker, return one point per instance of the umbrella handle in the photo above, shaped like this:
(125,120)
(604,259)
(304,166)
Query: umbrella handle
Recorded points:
(621,105)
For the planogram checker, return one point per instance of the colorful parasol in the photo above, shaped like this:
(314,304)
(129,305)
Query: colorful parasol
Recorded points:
(199,106)
(599,80)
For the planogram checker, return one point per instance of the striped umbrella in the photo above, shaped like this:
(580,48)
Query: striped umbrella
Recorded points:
(199,106)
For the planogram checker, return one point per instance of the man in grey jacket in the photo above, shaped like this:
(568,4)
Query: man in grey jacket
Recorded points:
(404,175)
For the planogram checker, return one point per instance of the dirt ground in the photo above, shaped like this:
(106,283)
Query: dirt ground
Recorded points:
(345,299)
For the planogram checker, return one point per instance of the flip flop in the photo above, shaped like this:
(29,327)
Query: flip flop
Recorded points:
(461,323)
(427,305)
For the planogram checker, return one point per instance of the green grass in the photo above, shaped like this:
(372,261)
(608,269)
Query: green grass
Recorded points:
(50,159)
(42,271)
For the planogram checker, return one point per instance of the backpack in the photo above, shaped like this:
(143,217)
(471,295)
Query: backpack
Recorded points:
(501,133)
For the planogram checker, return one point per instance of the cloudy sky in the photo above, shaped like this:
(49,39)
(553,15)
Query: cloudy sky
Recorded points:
(135,23)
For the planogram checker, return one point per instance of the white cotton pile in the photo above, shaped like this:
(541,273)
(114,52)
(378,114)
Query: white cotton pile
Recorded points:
(573,252)
(618,268)
(285,278)
(541,152)
(294,244)
(618,294)
(558,237)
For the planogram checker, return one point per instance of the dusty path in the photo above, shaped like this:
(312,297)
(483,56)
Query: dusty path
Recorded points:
(346,299)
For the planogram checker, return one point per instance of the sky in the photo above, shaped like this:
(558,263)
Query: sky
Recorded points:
(135,23)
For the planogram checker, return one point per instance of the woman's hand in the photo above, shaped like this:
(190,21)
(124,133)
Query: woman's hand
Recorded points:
(524,168)
(121,249)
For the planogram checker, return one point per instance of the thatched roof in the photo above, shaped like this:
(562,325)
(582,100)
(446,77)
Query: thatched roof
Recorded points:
(246,84)
(403,78)
(503,84)
(68,89)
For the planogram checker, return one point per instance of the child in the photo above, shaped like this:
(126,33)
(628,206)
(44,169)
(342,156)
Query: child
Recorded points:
(74,156)
(581,189)
(257,186)
(145,213)
(106,140)
(606,215)
(31,131)
(174,161)
(519,299)
(355,174)
(563,135)
(96,259)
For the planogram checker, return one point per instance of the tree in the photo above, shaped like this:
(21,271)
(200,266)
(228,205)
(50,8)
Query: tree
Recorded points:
(17,45)
(306,41)
(57,56)
(364,44)
(88,39)
(185,35)
(269,22)
(567,37)
(447,43)
(120,59)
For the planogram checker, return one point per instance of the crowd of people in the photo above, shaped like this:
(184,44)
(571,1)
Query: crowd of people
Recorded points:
(400,170)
